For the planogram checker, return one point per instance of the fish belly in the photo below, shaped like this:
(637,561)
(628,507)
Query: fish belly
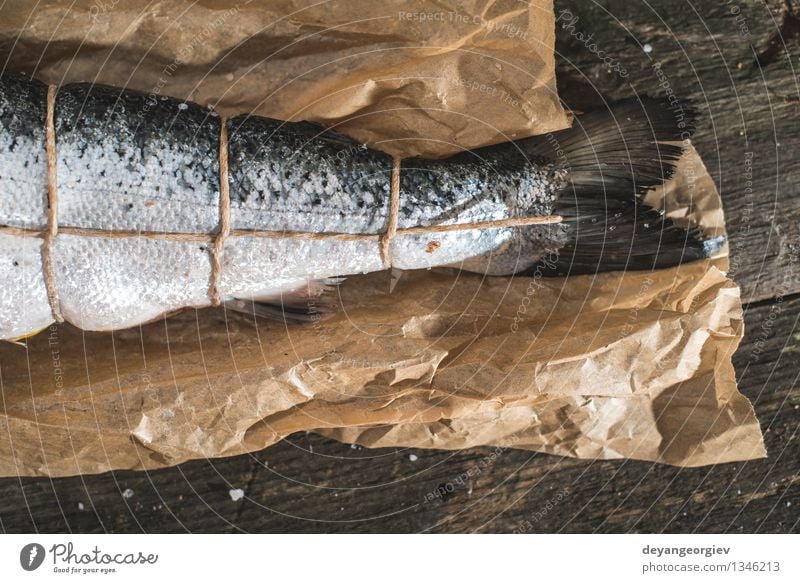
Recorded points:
(113,283)
(24,307)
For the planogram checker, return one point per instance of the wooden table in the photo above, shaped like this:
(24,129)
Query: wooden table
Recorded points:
(729,60)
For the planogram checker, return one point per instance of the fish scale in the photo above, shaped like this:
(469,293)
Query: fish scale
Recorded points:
(129,162)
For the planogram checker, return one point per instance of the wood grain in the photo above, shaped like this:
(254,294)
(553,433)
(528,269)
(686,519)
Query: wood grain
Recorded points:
(707,52)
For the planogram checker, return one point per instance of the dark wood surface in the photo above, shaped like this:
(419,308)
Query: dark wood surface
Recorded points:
(747,89)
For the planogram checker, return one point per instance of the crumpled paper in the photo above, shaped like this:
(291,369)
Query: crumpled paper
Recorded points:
(408,78)
(634,365)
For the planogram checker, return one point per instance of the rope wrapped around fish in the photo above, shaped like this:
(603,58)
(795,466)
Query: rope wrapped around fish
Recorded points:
(117,208)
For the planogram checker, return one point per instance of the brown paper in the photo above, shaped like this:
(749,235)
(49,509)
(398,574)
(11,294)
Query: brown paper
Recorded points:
(634,365)
(410,77)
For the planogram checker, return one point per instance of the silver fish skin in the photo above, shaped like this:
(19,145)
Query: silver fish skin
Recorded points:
(130,162)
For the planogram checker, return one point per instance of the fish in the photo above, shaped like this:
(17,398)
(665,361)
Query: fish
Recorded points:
(137,186)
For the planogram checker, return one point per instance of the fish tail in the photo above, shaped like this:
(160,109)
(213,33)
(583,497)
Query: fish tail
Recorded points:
(612,158)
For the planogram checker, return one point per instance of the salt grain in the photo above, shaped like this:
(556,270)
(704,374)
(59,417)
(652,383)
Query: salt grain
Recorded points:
(127,493)
(412,457)
(648,48)
(236,494)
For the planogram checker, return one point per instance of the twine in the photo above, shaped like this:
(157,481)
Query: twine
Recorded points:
(224,215)
(224,230)
(48,272)
(394,211)
(302,235)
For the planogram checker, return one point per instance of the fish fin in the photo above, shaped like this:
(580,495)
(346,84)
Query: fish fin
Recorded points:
(308,303)
(613,157)
(619,151)
(634,239)
(22,340)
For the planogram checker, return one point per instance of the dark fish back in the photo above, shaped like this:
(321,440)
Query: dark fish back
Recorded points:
(23,158)
(300,177)
(137,162)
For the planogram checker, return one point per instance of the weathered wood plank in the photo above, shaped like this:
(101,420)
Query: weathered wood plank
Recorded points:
(750,113)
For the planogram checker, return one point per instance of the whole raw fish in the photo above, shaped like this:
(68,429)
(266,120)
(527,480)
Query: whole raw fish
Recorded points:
(131,163)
